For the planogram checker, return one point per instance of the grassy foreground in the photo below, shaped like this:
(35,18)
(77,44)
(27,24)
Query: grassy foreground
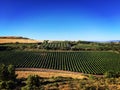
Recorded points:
(10,81)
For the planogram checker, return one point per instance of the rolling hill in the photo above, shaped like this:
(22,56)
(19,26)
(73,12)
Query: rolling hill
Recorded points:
(15,39)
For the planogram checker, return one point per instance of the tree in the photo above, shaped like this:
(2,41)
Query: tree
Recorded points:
(7,77)
(10,84)
(111,74)
(45,41)
(11,70)
(3,73)
(32,82)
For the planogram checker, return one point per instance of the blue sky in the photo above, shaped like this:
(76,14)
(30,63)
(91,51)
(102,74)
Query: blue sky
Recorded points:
(61,19)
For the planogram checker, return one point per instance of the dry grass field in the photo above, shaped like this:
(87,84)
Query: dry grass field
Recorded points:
(17,39)
(48,73)
(77,83)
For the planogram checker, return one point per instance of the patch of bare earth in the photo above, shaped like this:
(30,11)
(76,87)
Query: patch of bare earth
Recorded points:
(25,72)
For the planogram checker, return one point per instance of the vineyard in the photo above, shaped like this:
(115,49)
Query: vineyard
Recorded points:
(85,62)
(56,45)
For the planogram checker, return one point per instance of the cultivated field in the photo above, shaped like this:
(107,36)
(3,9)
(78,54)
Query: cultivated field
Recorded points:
(83,62)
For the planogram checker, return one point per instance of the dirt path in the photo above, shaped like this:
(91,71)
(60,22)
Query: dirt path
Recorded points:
(24,72)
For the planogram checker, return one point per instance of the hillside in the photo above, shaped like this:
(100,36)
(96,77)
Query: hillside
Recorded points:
(14,39)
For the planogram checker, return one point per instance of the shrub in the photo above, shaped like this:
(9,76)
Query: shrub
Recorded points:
(10,84)
(32,83)
(2,85)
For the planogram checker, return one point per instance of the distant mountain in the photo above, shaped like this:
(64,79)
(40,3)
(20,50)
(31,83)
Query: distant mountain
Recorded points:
(115,41)
(12,37)
(107,41)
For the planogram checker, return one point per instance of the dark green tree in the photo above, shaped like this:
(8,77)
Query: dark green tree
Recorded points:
(32,83)
(7,77)
(33,80)
(3,73)
(12,75)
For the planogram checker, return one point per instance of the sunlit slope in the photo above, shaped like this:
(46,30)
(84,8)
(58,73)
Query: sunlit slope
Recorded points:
(17,40)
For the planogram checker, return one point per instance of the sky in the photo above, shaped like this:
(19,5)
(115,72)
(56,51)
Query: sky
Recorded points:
(94,20)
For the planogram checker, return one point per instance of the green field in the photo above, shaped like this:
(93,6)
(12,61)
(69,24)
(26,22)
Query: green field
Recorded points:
(85,62)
